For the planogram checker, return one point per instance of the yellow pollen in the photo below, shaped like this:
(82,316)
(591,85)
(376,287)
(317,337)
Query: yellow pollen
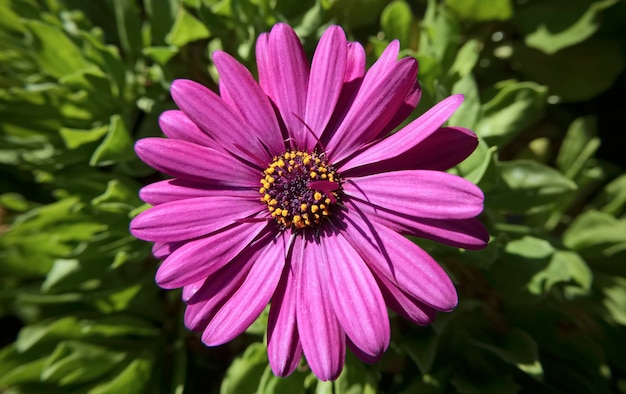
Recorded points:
(287,189)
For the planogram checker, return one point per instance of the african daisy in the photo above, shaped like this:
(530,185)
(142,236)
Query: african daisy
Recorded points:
(292,191)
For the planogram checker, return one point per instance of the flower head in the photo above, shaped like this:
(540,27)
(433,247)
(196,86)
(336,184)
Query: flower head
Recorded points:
(292,191)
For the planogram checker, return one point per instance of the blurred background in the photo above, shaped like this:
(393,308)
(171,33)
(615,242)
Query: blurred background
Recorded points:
(542,308)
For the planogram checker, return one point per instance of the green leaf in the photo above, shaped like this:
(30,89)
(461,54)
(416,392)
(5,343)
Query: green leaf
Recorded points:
(78,362)
(396,21)
(272,384)
(439,36)
(515,106)
(187,28)
(162,14)
(529,186)
(116,147)
(61,270)
(54,52)
(108,59)
(614,290)
(73,138)
(244,374)
(162,54)
(128,24)
(517,348)
(615,196)
(530,248)
(18,369)
(551,25)
(356,378)
(567,72)
(595,229)
(118,299)
(564,267)
(44,336)
(482,10)
(119,197)
(466,59)
(259,326)
(422,350)
(469,112)
(579,145)
(15,202)
(480,167)
(132,379)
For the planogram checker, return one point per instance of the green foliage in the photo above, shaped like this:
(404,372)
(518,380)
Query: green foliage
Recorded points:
(542,308)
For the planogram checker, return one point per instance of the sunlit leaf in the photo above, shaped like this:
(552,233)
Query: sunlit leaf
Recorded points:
(244,374)
(187,28)
(578,146)
(117,146)
(516,106)
(55,53)
(78,362)
(396,21)
(551,25)
(564,267)
(529,186)
(481,10)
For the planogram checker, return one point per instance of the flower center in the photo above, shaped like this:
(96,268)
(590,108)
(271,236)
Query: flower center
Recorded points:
(300,189)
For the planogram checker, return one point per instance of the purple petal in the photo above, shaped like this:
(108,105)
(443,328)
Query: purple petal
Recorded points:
(419,193)
(353,77)
(400,261)
(323,340)
(441,150)
(264,64)
(207,110)
(366,358)
(250,101)
(200,258)
(176,125)
(196,163)
(407,138)
(205,302)
(404,305)
(191,289)
(161,250)
(406,108)
(288,78)
(327,77)
(378,99)
(176,189)
(355,297)
(284,349)
(462,233)
(247,303)
(191,218)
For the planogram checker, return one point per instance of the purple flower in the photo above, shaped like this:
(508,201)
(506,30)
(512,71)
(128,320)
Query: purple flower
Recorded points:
(292,191)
